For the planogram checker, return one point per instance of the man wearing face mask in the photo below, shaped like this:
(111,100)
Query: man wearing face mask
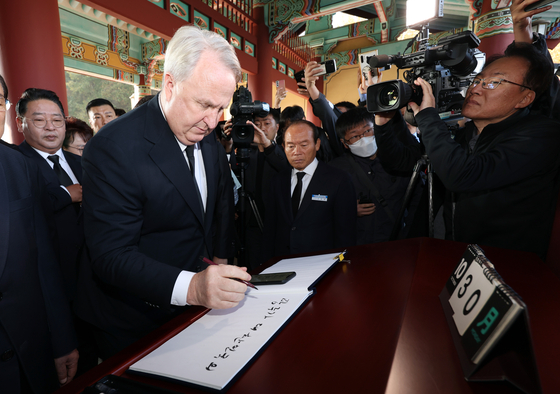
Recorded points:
(326,111)
(380,193)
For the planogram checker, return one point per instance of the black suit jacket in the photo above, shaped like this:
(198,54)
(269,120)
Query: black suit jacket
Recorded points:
(64,217)
(318,224)
(12,146)
(261,168)
(35,320)
(391,188)
(143,220)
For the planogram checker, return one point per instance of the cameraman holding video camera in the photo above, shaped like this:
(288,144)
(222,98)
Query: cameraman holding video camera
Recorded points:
(501,170)
(265,159)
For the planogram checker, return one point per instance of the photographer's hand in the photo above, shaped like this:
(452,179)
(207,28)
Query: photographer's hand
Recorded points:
(371,80)
(365,209)
(311,71)
(382,118)
(228,144)
(260,138)
(428,99)
(280,95)
(522,30)
(227,127)
(362,87)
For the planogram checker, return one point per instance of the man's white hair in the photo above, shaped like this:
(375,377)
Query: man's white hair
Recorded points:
(188,44)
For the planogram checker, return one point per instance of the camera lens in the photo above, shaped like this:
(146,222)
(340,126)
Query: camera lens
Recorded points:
(388,96)
(243,131)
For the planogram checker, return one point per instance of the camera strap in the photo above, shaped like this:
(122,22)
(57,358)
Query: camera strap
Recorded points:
(364,180)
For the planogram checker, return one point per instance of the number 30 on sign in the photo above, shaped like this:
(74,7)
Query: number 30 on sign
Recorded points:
(470,295)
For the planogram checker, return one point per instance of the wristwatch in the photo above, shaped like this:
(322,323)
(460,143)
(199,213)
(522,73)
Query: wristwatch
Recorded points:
(271,147)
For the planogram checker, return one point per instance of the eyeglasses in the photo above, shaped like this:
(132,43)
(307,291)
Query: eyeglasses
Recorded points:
(493,83)
(4,104)
(42,122)
(356,138)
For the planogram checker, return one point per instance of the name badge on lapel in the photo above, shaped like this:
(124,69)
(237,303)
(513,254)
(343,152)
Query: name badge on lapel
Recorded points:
(318,197)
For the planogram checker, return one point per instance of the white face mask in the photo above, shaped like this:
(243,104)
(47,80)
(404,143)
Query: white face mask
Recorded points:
(365,147)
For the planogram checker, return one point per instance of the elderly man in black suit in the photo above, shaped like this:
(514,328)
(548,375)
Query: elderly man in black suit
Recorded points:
(311,206)
(158,195)
(35,322)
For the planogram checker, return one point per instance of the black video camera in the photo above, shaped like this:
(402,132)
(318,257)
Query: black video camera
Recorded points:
(243,109)
(449,67)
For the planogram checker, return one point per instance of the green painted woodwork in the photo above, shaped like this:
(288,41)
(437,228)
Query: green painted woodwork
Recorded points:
(84,28)
(88,67)
(323,25)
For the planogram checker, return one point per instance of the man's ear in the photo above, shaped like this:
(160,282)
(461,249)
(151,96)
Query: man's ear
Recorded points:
(344,143)
(317,144)
(19,123)
(527,99)
(168,85)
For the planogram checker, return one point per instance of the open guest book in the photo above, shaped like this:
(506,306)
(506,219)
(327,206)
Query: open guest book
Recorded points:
(489,324)
(213,350)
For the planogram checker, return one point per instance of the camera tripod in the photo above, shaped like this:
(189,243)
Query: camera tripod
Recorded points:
(422,164)
(242,157)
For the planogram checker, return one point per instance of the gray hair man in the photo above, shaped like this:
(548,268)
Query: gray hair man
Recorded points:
(159,195)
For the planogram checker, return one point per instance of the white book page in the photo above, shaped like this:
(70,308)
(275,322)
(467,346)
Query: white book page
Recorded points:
(212,350)
(307,270)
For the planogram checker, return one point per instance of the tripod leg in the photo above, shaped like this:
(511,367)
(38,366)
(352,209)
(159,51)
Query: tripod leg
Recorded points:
(256,212)
(431,217)
(408,195)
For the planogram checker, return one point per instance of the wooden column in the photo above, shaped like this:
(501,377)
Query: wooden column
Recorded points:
(260,84)
(494,28)
(30,52)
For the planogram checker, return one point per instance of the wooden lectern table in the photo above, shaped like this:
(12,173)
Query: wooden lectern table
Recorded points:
(376,325)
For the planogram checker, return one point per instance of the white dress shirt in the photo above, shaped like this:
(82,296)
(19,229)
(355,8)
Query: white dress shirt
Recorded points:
(183,281)
(309,171)
(63,163)
(199,170)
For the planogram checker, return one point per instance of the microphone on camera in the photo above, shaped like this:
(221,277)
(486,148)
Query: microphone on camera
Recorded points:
(380,61)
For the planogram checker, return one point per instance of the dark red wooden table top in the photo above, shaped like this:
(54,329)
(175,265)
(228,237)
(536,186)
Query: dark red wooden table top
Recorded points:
(376,325)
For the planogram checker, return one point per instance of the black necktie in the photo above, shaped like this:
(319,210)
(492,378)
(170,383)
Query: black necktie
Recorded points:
(296,196)
(190,156)
(63,177)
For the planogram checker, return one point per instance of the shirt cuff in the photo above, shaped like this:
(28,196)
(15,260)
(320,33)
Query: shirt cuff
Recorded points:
(181,288)
(363,96)
(66,190)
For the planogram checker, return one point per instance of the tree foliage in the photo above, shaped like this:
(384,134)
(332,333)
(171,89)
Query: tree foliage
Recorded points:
(81,89)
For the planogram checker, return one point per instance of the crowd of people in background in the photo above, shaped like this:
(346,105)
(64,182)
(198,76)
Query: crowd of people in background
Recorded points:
(107,217)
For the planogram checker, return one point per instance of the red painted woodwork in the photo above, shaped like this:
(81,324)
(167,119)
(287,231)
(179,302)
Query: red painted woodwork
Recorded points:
(495,45)
(30,51)
(163,23)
